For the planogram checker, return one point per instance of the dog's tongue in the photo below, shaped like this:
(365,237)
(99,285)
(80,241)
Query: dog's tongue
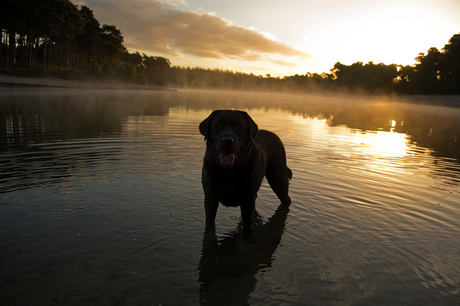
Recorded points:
(226,159)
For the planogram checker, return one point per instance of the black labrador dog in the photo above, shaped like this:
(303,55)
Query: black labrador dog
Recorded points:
(237,158)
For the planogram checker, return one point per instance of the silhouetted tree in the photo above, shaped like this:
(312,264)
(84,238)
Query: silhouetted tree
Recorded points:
(155,68)
(370,77)
(405,80)
(13,15)
(70,27)
(130,63)
(89,39)
(427,71)
(450,65)
(132,58)
(110,49)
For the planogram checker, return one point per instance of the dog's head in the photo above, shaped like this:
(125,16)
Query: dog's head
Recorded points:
(228,133)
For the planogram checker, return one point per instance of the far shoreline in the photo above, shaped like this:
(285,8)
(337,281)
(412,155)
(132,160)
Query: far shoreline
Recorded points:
(14,82)
(17,82)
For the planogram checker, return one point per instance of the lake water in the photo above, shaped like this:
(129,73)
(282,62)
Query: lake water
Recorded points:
(101,202)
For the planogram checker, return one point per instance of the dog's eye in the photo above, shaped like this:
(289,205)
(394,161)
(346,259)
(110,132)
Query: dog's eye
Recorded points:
(218,126)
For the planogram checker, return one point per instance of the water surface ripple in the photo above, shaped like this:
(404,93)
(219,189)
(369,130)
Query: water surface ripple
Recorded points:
(101,203)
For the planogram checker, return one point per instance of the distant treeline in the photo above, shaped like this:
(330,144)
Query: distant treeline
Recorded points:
(437,72)
(60,38)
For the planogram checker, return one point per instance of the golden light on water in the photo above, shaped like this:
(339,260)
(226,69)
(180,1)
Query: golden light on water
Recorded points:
(373,144)
(382,143)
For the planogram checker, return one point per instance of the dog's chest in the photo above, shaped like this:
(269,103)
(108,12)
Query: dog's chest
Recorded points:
(234,187)
(231,183)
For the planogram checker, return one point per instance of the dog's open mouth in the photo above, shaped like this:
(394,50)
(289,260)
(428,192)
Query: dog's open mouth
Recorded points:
(227,159)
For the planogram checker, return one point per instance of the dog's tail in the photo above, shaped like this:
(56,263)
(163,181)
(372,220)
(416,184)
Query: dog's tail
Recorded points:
(289,173)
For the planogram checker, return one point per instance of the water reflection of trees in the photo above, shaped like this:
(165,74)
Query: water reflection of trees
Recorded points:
(430,126)
(30,123)
(33,118)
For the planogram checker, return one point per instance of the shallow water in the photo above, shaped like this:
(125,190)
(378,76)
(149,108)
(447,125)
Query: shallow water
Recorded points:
(101,202)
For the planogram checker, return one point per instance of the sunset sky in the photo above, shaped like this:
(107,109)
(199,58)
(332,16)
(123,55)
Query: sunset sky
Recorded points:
(281,37)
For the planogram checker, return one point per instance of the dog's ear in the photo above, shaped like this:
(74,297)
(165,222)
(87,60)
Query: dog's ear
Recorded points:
(252,126)
(204,126)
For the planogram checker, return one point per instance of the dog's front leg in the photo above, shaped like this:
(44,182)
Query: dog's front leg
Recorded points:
(210,207)
(247,213)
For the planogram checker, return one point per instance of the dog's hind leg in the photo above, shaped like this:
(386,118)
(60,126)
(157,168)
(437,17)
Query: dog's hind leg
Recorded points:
(279,182)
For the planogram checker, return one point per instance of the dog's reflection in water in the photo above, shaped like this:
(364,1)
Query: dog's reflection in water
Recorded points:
(228,267)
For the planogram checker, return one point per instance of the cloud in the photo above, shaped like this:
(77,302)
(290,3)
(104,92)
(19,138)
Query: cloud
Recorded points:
(176,3)
(159,27)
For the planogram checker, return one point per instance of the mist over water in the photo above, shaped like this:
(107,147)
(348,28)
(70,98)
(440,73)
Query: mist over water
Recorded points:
(101,202)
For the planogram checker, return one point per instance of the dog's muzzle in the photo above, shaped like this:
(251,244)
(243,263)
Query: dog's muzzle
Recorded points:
(226,159)
(226,146)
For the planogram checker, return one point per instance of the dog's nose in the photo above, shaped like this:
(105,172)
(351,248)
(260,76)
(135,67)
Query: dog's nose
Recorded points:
(227,141)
